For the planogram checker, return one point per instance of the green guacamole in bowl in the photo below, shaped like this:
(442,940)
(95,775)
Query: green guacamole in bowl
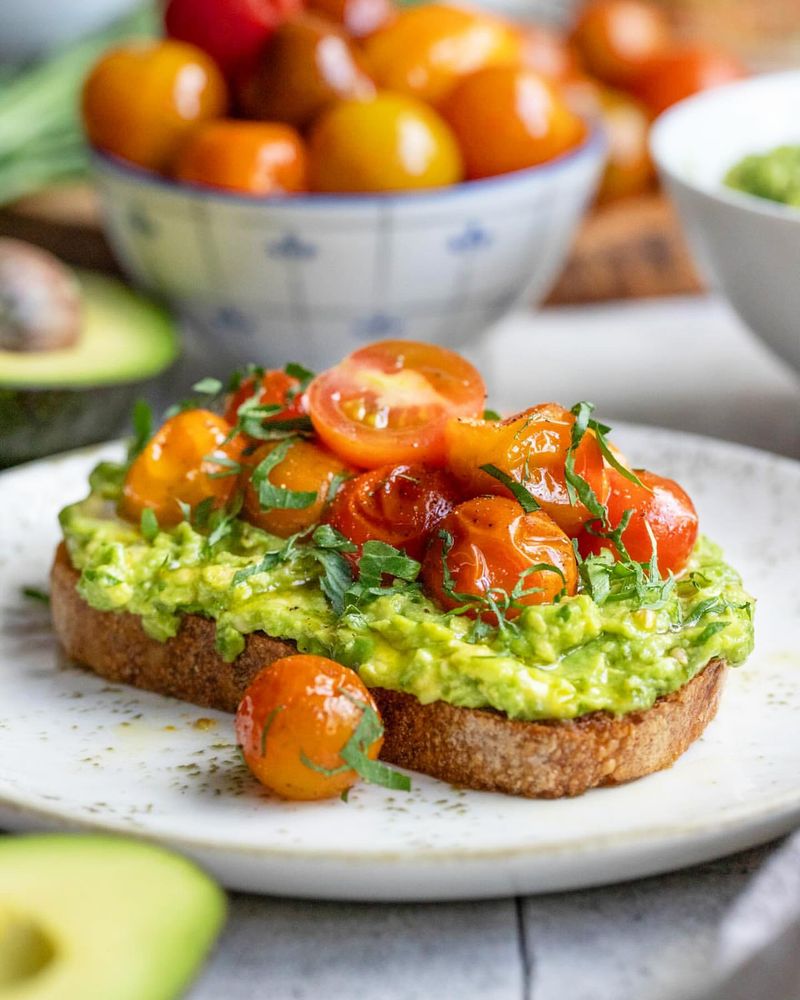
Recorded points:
(774,175)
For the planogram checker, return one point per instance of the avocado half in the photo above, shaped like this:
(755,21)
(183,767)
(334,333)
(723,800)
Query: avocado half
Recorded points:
(86,917)
(58,399)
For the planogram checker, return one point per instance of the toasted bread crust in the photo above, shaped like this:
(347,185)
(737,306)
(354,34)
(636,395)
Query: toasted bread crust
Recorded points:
(474,748)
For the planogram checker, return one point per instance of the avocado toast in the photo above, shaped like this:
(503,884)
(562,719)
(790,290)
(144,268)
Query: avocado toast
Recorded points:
(518,629)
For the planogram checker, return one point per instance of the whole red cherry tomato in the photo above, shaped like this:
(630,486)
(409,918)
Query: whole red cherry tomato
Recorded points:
(275,388)
(682,72)
(494,546)
(663,505)
(231,31)
(615,38)
(398,504)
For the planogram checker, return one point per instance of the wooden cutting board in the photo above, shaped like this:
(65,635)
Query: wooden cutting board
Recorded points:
(629,249)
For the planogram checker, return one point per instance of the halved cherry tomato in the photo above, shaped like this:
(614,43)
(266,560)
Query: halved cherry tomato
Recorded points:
(295,719)
(306,468)
(257,158)
(682,72)
(359,18)
(494,545)
(615,38)
(178,464)
(275,388)
(389,402)
(398,504)
(664,505)
(531,448)
(142,100)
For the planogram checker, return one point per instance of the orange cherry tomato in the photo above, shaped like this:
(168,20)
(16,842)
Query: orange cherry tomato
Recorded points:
(397,504)
(306,468)
(494,544)
(385,143)
(531,448)
(389,402)
(249,157)
(682,72)
(175,465)
(308,64)
(142,100)
(275,388)
(548,53)
(526,116)
(629,169)
(359,18)
(664,505)
(427,49)
(295,719)
(615,38)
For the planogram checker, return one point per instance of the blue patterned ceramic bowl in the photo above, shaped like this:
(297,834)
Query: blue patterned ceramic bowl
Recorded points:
(314,277)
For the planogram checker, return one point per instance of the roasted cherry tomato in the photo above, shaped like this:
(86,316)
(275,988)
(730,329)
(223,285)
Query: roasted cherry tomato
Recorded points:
(525,115)
(662,504)
(389,402)
(494,546)
(398,504)
(615,38)
(385,143)
(629,169)
(295,719)
(308,64)
(142,100)
(682,72)
(548,53)
(306,468)
(359,18)
(250,157)
(177,464)
(231,31)
(427,49)
(275,388)
(531,448)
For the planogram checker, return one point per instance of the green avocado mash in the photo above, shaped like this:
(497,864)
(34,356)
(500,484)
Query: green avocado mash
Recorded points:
(774,175)
(559,660)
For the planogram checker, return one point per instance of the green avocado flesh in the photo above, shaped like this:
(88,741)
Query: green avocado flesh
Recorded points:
(124,338)
(101,918)
(561,661)
(774,175)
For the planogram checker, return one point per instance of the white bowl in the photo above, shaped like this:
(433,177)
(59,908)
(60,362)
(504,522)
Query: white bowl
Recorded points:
(313,277)
(749,247)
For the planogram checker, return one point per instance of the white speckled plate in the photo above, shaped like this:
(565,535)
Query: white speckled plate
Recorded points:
(74,751)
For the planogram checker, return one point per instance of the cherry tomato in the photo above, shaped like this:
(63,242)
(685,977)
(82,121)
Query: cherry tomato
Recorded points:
(359,18)
(664,505)
(295,719)
(142,100)
(389,402)
(682,72)
(385,143)
(427,49)
(629,169)
(548,53)
(525,115)
(398,504)
(275,388)
(308,64)
(494,543)
(175,465)
(231,31)
(531,447)
(249,157)
(615,38)
(306,468)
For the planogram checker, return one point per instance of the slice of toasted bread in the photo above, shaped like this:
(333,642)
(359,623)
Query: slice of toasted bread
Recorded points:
(473,748)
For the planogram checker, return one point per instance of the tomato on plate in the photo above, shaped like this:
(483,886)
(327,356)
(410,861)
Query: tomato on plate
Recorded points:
(275,388)
(663,505)
(531,448)
(178,464)
(295,719)
(389,402)
(494,546)
(615,38)
(397,504)
(682,72)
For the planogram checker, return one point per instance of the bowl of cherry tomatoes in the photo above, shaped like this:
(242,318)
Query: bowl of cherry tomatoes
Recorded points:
(301,181)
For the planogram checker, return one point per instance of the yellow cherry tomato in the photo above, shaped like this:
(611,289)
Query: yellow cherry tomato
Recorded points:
(387,143)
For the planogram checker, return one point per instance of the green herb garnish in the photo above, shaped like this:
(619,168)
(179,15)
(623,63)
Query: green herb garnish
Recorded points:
(208,386)
(142,420)
(272,497)
(35,594)
(526,500)
(148,524)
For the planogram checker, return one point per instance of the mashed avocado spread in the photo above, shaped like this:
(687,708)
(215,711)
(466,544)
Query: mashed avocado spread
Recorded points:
(774,175)
(558,660)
